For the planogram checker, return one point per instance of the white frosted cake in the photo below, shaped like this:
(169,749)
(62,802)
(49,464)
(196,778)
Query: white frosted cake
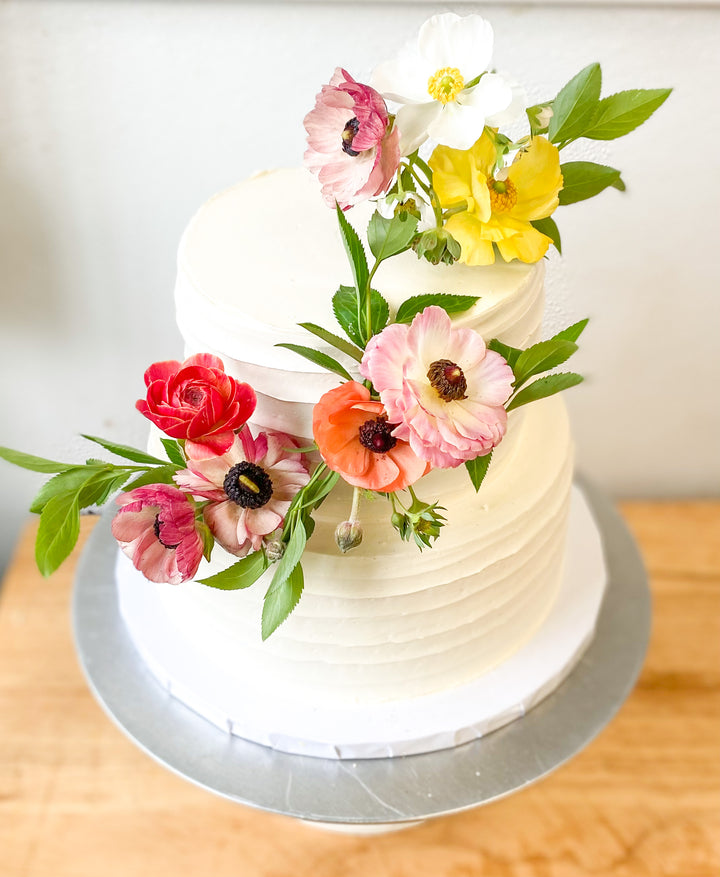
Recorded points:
(387,641)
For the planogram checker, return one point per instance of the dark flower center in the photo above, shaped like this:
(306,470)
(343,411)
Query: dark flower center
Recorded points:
(348,135)
(447,379)
(156,530)
(375,435)
(248,485)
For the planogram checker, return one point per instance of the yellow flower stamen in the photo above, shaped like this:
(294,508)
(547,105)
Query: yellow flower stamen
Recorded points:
(446,84)
(247,482)
(503,195)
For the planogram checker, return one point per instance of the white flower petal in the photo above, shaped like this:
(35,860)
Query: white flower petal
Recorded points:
(457,126)
(492,94)
(404,79)
(413,121)
(472,45)
(435,40)
(513,110)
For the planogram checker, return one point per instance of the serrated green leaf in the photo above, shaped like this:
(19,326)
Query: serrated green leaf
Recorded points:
(542,357)
(335,340)
(345,309)
(319,358)
(575,105)
(174,452)
(280,601)
(100,486)
(477,469)
(388,237)
(241,574)
(35,464)
(68,481)
(451,304)
(355,251)
(156,475)
(572,333)
(621,113)
(509,354)
(548,227)
(293,552)
(58,532)
(585,179)
(542,387)
(532,116)
(124,451)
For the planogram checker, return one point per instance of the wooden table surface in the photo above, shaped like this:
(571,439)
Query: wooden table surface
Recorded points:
(78,799)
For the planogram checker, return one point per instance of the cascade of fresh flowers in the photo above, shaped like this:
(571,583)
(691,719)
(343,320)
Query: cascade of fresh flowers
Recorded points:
(424,394)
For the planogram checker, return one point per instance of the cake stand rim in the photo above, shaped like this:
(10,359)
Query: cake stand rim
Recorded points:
(377,791)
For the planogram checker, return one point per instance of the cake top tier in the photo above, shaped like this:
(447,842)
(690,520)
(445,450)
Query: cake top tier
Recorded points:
(267,254)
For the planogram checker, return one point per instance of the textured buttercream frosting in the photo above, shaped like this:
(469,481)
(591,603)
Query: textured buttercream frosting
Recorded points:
(385,623)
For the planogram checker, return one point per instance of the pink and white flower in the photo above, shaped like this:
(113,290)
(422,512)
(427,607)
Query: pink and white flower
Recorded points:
(250,487)
(156,529)
(351,146)
(442,386)
(432,81)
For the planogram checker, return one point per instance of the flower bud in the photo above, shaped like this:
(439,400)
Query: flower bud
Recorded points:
(274,549)
(348,535)
(437,245)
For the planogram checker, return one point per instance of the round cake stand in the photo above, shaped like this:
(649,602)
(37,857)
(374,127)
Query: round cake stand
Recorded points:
(370,795)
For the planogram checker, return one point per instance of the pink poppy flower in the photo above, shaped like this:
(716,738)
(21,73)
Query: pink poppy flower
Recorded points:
(442,386)
(250,487)
(197,402)
(351,148)
(156,529)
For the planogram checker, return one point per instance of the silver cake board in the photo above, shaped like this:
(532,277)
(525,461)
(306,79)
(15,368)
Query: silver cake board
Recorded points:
(373,794)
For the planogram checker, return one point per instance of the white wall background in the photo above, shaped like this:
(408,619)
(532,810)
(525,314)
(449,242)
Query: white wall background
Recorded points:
(118,119)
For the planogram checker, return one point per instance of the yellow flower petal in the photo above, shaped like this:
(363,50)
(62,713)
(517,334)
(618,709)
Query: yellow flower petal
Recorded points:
(468,231)
(524,243)
(452,180)
(537,178)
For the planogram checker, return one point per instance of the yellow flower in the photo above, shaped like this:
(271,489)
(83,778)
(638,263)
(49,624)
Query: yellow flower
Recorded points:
(498,210)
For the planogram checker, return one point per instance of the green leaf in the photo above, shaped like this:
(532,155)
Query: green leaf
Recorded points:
(572,333)
(575,105)
(319,358)
(388,237)
(345,309)
(585,179)
(174,452)
(293,552)
(156,475)
(621,113)
(542,387)
(335,340)
(68,481)
(532,115)
(451,304)
(477,469)
(58,532)
(542,357)
(280,600)
(124,451)
(354,250)
(510,354)
(100,486)
(242,574)
(36,464)
(315,492)
(548,227)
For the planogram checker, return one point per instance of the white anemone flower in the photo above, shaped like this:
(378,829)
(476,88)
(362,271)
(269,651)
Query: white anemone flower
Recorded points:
(430,77)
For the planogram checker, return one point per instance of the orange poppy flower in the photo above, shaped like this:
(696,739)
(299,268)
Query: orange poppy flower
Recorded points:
(356,440)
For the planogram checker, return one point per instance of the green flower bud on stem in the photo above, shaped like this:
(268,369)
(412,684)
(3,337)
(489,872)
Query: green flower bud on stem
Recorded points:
(348,535)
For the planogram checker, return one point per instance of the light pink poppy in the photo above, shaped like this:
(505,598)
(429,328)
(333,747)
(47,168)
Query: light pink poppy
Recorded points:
(250,487)
(156,529)
(442,386)
(352,148)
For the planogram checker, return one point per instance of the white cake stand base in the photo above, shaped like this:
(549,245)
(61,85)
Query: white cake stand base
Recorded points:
(370,795)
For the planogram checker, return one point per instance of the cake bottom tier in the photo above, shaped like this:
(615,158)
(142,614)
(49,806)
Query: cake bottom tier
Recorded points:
(383,636)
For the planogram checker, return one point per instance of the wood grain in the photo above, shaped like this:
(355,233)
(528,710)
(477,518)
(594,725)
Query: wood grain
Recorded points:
(77,799)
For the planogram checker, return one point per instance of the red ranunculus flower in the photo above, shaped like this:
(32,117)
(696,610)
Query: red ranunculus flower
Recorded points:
(196,401)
